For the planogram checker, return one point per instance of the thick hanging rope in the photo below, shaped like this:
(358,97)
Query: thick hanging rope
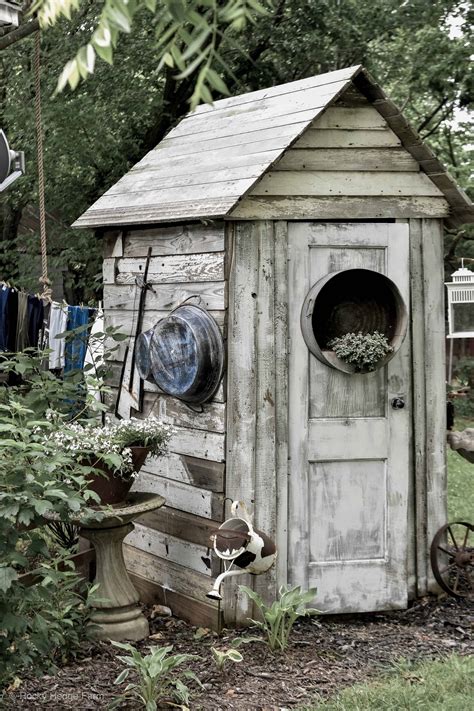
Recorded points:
(39,149)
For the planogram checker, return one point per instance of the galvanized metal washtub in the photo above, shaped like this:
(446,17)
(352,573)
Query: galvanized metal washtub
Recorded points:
(183,354)
(352,300)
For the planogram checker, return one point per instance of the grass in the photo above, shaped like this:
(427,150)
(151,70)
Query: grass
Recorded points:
(443,685)
(460,482)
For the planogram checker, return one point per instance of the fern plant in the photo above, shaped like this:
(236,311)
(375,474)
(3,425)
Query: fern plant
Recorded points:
(281,615)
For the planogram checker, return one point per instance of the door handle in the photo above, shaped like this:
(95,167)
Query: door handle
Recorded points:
(398,403)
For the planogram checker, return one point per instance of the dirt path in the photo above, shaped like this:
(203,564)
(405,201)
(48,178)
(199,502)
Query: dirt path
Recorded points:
(325,655)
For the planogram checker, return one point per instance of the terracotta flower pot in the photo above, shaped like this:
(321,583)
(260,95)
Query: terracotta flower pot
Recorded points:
(109,485)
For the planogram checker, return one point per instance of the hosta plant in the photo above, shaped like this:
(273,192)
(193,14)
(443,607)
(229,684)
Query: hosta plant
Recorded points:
(155,676)
(279,617)
(222,656)
(362,350)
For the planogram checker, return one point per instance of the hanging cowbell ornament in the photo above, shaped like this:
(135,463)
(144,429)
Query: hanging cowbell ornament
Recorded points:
(242,548)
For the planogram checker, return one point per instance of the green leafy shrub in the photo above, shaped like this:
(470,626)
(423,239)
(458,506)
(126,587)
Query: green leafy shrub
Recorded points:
(156,676)
(43,623)
(362,350)
(278,618)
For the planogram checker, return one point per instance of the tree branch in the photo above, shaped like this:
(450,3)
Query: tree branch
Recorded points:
(19,33)
(430,116)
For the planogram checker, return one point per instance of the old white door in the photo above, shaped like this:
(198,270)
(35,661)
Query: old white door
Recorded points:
(349,447)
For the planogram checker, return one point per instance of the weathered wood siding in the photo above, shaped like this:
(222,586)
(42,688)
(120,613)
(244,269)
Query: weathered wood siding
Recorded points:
(429,395)
(257,454)
(167,553)
(349,162)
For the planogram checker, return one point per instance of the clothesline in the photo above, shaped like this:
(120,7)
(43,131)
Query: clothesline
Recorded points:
(27,321)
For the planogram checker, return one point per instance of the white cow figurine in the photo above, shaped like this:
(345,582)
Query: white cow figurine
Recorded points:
(242,548)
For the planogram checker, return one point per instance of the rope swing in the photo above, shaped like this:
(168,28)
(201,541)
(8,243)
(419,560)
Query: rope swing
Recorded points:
(44,280)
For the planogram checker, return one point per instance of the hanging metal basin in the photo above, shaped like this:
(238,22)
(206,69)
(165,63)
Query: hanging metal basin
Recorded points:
(187,354)
(142,355)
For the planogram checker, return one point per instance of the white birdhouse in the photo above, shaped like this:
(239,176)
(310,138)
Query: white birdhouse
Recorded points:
(9,14)
(461,303)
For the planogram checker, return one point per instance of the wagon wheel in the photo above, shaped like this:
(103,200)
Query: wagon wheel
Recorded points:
(452,558)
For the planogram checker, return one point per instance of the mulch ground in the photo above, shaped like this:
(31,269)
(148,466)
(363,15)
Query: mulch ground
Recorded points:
(325,655)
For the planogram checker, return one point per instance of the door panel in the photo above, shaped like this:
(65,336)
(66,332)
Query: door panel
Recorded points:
(348,447)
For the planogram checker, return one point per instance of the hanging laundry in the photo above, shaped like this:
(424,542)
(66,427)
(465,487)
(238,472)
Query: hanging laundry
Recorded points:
(22,322)
(95,356)
(4,294)
(8,318)
(78,316)
(57,324)
(35,320)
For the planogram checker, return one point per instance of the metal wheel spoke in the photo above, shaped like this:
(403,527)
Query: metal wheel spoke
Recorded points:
(448,567)
(448,552)
(452,538)
(466,536)
(456,582)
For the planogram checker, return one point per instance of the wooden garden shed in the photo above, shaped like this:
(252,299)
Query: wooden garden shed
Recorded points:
(249,203)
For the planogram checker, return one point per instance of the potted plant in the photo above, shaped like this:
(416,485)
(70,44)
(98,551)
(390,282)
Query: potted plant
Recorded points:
(362,351)
(111,456)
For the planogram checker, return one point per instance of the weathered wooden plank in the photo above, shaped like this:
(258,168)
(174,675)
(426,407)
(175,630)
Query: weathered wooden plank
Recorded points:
(346,138)
(181,239)
(196,612)
(263,113)
(204,162)
(210,416)
(341,183)
(168,547)
(417,298)
(180,524)
(198,443)
(112,244)
(267,139)
(366,118)
(265,444)
(250,128)
(317,208)
(160,181)
(181,496)
(166,573)
(202,473)
(109,270)
(281,398)
(166,296)
(100,214)
(435,375)
(280,90)
(180,268)
(347,159)
(241,412)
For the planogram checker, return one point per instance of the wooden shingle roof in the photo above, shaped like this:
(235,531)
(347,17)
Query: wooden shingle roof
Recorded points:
(217,153)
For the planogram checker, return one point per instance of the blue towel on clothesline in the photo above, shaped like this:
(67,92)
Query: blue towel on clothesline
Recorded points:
(76,347)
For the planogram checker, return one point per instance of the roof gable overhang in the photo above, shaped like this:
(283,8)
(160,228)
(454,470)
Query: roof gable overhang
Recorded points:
(216,155)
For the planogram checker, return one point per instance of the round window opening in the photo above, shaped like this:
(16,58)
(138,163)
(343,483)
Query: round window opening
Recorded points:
(354,320)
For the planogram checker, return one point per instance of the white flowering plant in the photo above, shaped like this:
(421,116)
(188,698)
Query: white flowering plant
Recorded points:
(362,350)
(111,444)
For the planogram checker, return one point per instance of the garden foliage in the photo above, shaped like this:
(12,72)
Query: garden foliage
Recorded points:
(156,676)
(43,623)
(362,350)
(279,617)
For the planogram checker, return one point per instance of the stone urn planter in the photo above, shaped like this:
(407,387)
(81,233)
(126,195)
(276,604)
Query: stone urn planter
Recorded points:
(110,485)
